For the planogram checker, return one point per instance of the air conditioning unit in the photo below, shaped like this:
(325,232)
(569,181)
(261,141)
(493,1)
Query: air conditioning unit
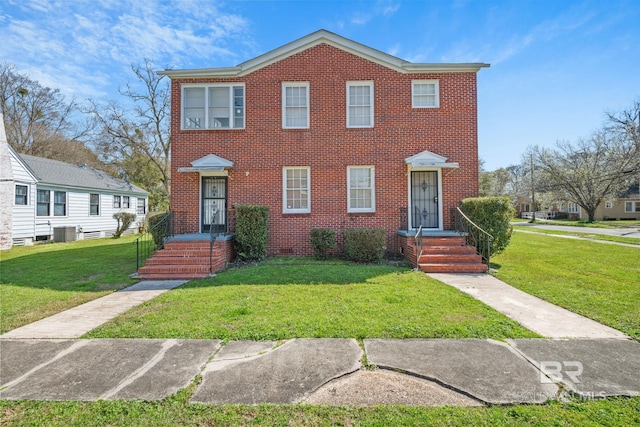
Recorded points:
(64,234)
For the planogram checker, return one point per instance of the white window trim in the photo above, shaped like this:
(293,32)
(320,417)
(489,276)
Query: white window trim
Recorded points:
(26,195)
(608,205)
(437,94)
(66,204)
(99,204)
(286,85)
(285,209)
(206,105)
(49,203)
(631,205)
(573,208)
(371,106)
(373,190)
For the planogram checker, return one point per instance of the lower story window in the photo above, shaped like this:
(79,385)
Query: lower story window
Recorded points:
(21,195)
(573,207)
(632,206)
(296,194)
(125,202)
(44,203)
(361,189)
(59,203)
(94,204)
(141,207)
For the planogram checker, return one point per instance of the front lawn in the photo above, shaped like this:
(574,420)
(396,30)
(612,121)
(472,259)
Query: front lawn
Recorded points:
(41,280)
(596,280)
(287,298)
(175,411)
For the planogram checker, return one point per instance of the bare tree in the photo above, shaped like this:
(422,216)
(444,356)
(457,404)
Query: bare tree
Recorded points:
(594,169)
(141,131)
(38,120)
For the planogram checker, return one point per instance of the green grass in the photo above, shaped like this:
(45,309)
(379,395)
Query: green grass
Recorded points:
(41,280)
(176,411)
(584,223)
(582,234)
(598,281)
(284,298)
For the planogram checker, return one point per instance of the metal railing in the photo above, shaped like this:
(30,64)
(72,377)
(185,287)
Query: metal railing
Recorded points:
(418,240)
(474,235)
(152,239)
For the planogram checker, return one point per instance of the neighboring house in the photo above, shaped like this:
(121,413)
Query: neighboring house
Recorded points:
(627,206)
(60,201)
(328,133)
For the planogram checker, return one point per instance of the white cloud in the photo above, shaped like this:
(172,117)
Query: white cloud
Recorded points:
(95,42)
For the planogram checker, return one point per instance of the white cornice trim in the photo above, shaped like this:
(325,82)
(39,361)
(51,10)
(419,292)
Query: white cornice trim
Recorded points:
(329,38)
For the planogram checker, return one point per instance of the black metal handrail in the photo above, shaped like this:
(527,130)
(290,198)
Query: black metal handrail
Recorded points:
(152,239)
(418,240)
(474,235)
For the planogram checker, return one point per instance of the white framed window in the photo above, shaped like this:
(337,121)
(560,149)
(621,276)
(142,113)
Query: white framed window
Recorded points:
(117,202)
(425,94)
(295,105)
(215,106)
(361,189)
(141,209)
(60,203)
(296,189)
(94,204)
(125,202)
(572,207)
(22,195)
(359,104)
(631,207)
(44,203)
(608,205)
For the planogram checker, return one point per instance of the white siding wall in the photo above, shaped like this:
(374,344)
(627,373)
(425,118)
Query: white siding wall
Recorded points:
(78,212)
(23,216)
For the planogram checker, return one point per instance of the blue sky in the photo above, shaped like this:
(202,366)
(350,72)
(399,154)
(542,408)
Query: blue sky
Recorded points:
(556,66)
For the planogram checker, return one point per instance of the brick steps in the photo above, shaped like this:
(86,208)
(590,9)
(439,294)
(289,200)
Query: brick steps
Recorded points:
(449,255)
(179,260)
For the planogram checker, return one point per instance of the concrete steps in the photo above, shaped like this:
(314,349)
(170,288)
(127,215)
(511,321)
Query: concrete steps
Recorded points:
(449,255)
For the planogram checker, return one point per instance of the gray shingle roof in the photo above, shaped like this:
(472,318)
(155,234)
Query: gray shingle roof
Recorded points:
(55,172)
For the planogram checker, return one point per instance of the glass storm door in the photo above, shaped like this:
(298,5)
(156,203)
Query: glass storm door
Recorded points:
(424,200)
(214,204)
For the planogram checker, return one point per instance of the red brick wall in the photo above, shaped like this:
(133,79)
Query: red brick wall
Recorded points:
(328,146)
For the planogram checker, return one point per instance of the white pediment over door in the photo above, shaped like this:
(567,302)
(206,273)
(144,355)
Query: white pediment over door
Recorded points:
(427,159)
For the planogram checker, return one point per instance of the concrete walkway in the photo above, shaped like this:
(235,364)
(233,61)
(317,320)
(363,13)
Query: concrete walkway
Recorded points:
(77,321)
(468,372)
(538,315)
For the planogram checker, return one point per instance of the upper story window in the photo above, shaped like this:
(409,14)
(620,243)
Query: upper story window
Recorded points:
(425,94)
(219,106)
(59,203)
(44,203)
(359,104)
(296,194)
(295,105)
(94,204)
(22,192)
(361,189)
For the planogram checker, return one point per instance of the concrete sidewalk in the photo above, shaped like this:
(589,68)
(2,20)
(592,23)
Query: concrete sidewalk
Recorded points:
(323,371)
(77,321)
(535,314)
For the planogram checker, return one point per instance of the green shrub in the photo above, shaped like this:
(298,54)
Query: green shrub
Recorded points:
(252,231)
(365,244)
(125,220)
(493,215)
(322,241)
(159,232)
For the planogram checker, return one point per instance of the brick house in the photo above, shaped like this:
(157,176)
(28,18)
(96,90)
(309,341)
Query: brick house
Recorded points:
(328,133)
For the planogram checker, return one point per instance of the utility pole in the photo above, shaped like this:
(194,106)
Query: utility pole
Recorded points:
(533,191)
